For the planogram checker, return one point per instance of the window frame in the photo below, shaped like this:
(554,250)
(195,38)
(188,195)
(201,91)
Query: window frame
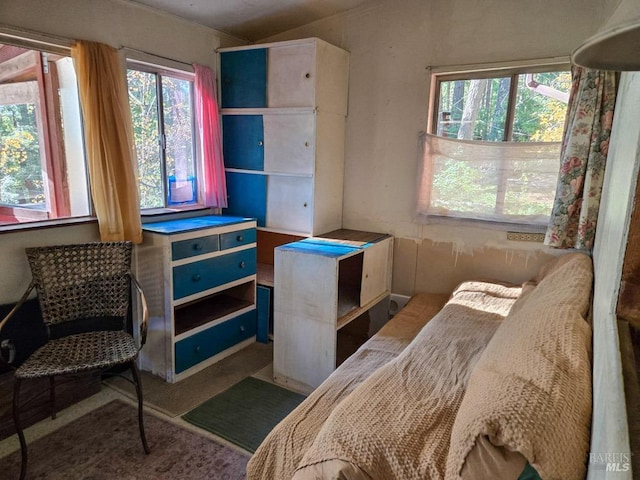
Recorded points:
(146,66)
(438,75)
(55,163)
(494,71)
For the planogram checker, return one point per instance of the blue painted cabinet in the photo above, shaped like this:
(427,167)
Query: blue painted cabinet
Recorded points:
(199,277)
(283,117)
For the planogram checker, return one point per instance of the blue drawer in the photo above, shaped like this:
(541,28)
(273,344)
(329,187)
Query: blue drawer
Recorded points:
(235,239)
(194,246)
(205,274)
(214,340)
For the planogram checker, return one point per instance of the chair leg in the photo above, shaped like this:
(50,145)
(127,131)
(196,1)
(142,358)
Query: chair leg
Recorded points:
(138,384)
(16,421)
(52,397)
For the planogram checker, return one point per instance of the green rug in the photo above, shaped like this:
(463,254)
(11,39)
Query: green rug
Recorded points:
(245,413)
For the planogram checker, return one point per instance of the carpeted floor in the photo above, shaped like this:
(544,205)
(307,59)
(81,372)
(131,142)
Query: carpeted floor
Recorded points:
(178,398)
(105,444)
(245,413)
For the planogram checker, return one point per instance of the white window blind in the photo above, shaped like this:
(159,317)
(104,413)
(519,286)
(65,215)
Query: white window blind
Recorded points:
(506,182)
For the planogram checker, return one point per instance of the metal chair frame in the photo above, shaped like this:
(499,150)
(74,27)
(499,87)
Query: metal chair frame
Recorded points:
(97,286)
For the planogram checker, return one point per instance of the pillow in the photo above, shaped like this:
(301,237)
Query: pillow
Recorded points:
(530,392)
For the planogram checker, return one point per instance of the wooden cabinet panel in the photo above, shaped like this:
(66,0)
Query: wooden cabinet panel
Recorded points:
(376,276)
(289,203)
(243,142)
(246,194)
(244,78)
(292,75)
(290,143)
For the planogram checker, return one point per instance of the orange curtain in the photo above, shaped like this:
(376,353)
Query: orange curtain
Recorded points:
(109,140)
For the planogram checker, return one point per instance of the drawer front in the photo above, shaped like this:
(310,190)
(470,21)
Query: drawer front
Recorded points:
(214,340)
(205,274)
(194,246)
(235,239)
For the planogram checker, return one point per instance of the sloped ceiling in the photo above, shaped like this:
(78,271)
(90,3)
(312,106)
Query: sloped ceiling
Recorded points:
(253,19)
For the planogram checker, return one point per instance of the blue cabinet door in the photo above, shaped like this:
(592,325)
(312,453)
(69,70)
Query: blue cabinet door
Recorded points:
(264,308)
(244,78)
(247,196)
(243,142)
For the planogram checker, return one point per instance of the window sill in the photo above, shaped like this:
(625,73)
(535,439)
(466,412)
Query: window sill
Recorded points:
(43,224)
(150,215)
(157,214)
(487,224)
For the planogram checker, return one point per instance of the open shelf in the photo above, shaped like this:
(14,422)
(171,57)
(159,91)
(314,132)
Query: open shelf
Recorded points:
(212,307)
(349,283)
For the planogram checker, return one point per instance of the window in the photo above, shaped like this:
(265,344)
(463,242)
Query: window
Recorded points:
(42,164)
(493,152)
(163,124)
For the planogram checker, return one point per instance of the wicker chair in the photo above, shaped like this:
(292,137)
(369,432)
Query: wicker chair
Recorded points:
(84,293)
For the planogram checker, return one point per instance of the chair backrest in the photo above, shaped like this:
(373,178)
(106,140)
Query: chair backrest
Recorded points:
(84,281)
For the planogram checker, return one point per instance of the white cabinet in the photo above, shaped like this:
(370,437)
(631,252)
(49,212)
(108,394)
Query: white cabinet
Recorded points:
(283,115)
(199,277)
(322,285)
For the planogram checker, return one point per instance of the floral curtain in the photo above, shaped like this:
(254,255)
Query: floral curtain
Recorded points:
(215,187)
(109,140)
(583,157)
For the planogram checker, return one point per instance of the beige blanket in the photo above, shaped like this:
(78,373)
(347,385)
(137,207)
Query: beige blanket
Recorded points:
(531,390)
(397,423)
(282,450)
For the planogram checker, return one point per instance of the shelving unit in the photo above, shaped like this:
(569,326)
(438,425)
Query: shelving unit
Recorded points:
(199,277)
(323,284)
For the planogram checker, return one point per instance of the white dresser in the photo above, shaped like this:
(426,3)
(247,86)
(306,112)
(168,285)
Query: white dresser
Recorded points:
(199,277)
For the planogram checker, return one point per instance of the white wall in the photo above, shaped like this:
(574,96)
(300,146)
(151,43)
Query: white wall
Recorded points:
(119,24)
(623,162)
(392,42)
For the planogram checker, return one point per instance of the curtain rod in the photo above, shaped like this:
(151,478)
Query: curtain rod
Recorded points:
(155,55)
(21,35)
(498,65)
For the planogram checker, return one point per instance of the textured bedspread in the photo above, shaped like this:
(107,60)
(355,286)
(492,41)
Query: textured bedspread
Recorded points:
(282,450)
(397,423)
